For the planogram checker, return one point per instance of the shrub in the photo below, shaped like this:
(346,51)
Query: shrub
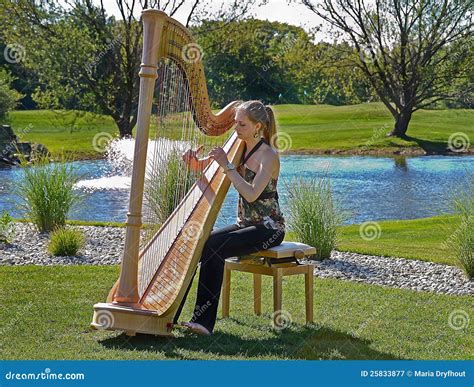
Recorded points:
(462,240)
(313,215)
(7,228)
(46,192)
(66,242)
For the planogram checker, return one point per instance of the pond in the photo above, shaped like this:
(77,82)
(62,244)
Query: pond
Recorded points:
(368,188)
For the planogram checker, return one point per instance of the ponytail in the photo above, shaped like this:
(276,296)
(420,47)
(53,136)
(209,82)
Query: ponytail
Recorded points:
(270,130)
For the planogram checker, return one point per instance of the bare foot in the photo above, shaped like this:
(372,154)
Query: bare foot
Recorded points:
(196,328)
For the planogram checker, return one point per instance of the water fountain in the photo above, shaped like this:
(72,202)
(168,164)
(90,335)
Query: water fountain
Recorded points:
(119,163)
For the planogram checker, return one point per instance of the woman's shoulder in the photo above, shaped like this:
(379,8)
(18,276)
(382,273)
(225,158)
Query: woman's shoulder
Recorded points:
(270,159)
(271,155)
(269,152)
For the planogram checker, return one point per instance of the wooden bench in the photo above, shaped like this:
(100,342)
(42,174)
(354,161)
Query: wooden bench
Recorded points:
(277,262)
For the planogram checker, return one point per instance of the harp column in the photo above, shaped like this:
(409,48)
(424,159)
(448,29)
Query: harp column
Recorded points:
(127,291)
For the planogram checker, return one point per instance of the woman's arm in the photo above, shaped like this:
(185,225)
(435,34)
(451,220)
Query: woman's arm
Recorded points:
(252,191)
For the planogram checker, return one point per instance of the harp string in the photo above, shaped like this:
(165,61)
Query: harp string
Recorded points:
(174,100)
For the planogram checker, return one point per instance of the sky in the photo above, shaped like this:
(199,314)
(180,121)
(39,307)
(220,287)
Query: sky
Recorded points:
(275,10)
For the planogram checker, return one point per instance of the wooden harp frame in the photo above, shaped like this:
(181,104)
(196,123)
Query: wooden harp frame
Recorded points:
(126,309)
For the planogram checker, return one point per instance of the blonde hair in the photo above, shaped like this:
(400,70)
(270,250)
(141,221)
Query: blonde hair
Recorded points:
(257,112)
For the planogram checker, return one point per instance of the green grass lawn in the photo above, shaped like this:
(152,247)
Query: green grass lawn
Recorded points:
(46,312)
(323,128)
(312,128)
(417,239)
(52,130)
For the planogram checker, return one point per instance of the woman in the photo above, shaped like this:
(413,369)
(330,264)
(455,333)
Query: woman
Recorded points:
(260,224)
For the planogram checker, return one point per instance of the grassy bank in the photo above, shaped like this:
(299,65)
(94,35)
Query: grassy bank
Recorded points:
(59,133)
(416,239)
(46,312)
(312,129)
(362,128)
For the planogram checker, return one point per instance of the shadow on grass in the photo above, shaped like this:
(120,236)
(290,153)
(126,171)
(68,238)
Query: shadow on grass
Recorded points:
(296,342)
(430,147)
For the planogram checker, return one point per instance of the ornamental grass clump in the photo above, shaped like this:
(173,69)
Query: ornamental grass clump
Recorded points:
(66,242)
(461,241)
(314,216)
(46,192)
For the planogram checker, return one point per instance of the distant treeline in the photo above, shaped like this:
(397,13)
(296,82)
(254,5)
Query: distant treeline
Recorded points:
(271,61)
(277,63)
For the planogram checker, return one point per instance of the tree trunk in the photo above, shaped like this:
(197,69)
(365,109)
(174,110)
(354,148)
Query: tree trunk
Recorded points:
(125,127)
(401,124)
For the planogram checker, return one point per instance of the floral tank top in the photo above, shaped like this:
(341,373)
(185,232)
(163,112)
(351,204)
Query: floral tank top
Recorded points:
(265,210)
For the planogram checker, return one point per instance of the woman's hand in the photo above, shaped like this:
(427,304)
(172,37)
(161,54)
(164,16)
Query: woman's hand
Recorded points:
(219,155)
(193,162)
(190,155)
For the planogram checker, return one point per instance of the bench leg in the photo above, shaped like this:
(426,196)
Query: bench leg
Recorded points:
(226,292)
(257,294)
(309,294)
(277,290)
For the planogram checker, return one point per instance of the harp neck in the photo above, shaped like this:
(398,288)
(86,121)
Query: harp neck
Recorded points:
(176,44)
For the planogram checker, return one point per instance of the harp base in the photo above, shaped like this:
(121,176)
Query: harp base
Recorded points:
(132,320)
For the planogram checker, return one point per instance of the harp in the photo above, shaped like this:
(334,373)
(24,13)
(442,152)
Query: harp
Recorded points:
(162,250)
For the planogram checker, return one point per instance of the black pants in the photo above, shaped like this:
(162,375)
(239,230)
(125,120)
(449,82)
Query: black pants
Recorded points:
(225,242)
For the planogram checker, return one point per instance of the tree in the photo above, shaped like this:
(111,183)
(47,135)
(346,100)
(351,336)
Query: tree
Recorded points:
(324,73)
(277,63)
(8,96)
(404,48)
(24,82)
(245,59)
(86,59)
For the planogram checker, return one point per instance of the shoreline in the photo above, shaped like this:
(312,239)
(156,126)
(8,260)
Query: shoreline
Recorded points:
(408,152)
(383,152)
